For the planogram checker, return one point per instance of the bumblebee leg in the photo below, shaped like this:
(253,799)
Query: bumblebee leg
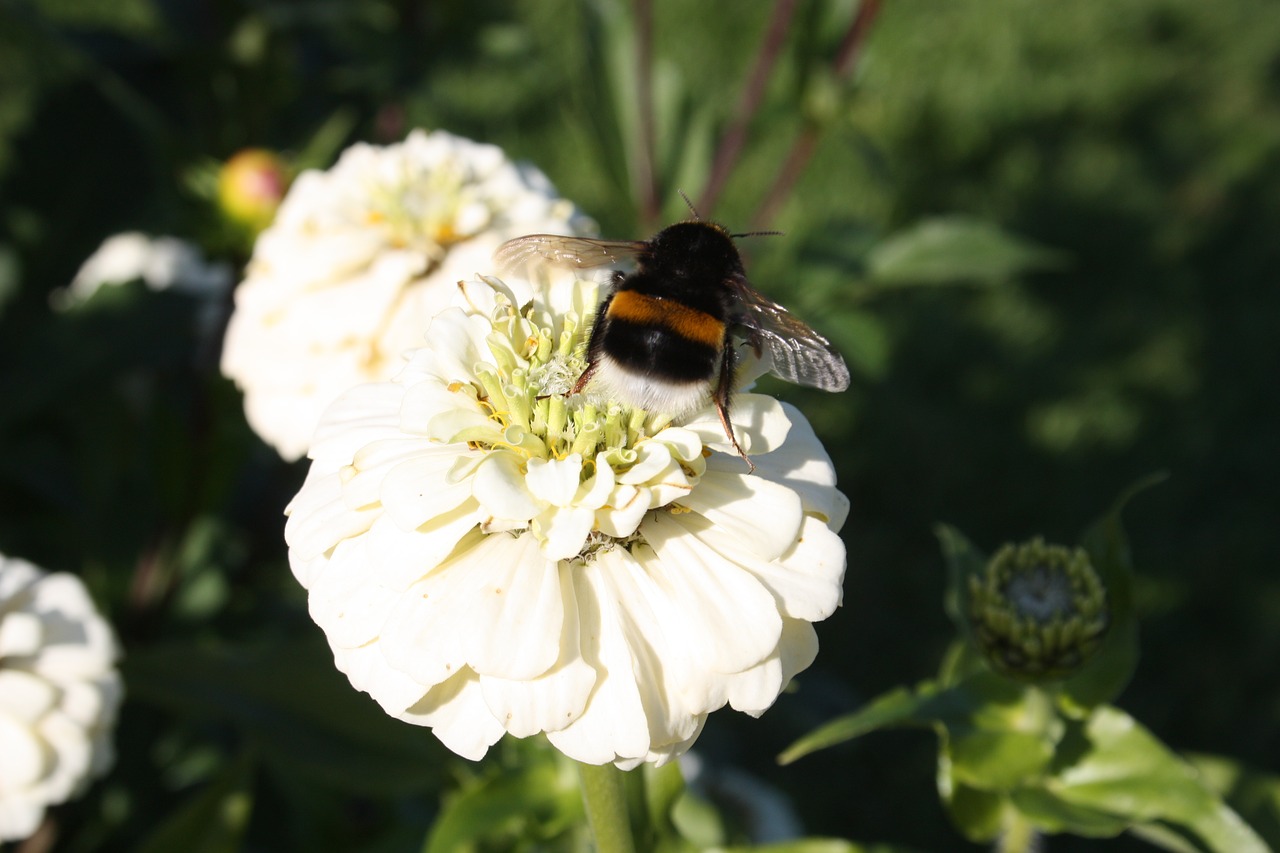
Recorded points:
(722,393)
(595,346)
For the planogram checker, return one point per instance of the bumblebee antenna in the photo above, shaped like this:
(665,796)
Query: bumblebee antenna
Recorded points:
(760,234)
(692,209)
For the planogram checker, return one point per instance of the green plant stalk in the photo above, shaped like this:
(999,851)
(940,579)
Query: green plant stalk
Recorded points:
(606,802)
(1019,836)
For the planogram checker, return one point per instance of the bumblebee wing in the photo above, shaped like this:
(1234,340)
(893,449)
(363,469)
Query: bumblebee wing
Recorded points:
(798,353)
(559,251)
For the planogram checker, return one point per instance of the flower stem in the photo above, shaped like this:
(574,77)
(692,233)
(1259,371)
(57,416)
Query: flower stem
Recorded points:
(1019,836)
(846,61)
(602,791)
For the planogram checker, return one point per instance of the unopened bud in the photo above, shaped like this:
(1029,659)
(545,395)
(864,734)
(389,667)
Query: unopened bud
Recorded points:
(1039,611)
(250,187)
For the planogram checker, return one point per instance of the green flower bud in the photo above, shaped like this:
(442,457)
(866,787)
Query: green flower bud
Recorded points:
(1038,612)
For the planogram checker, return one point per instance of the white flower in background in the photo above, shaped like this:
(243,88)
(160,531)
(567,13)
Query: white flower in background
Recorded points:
(488,555)
(161,263)
(59,693)
(358,260)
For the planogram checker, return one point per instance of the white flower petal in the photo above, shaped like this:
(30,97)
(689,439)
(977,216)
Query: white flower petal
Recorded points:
(398,558)
(614,725)
(368,671)
(555,480)
(361,416)
(806,580)
(19,817)
(652,458)
(20,634)
(552,700)
(759,423)
(802,465)
(733,621)
(25,697)
(58,693)
(319,518)
(622,514)
(362,479)
(562,531)
(499,485)
(457,714)
(754,691)
(344,602)
(417,490)
(496,606)
(765,517)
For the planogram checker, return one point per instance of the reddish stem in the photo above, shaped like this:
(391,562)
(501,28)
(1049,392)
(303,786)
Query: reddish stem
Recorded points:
(846,60)
(726,157)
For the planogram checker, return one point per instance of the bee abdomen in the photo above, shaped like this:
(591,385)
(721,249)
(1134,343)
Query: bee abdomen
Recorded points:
(663,337)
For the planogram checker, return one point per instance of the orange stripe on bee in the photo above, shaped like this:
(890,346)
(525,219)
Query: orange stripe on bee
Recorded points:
(689,323)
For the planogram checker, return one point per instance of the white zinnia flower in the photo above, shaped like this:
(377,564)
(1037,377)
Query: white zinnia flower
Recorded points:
(59,693)
(359,258)
(162,263)
(488,555)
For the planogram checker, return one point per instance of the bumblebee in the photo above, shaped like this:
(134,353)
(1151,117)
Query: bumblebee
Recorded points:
(664,336)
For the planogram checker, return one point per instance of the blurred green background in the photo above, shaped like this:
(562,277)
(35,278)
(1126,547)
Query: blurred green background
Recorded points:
(1044,235)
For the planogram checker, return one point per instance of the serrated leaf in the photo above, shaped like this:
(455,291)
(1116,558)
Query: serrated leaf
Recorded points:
(956,249)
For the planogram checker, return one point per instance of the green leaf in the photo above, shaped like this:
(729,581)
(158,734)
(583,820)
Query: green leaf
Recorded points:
(956,707)
(322,148)
(979,815)
(10,277)
(698,821)
(863,339)
(1052,814)
(1254,795)
(999,760)
(817,845)
(1008,738)
(963,562)
(952,249)
(663,786)
(304,716)
(213,819)
(1102,678)
(900,707)
(1125,772)
(506,802)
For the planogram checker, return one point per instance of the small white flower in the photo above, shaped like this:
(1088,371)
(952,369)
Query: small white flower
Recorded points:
(357,261)
(162,263)
(488,555)
(59,693)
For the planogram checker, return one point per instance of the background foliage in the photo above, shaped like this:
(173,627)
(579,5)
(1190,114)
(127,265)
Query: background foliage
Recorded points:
(1133,149)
